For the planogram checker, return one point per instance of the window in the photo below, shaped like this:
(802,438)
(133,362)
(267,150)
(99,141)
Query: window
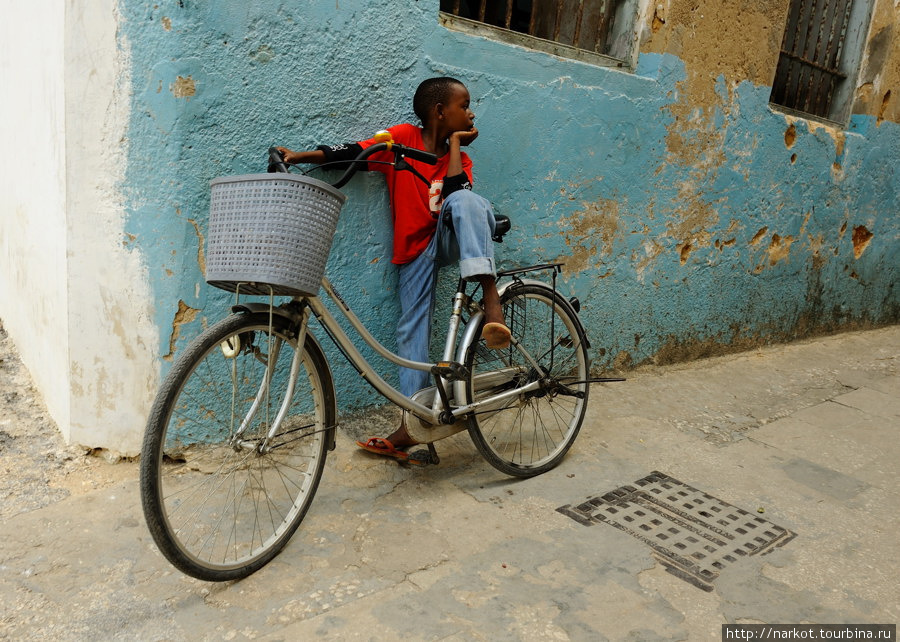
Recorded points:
(598,31)
(820,55)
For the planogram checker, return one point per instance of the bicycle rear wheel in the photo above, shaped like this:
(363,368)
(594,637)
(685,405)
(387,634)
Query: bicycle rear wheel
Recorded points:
(530,433)
(218,503)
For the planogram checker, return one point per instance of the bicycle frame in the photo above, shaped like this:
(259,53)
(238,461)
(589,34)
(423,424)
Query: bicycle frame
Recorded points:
(437,413)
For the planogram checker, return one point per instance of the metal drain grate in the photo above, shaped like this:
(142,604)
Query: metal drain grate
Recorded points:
(693,534)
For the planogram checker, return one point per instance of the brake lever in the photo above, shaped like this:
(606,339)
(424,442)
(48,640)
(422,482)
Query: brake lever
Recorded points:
(400,164)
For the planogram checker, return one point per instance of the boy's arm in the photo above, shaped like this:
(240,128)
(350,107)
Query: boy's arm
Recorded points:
(316,156)
(457,141)
(322,154)
(457,178)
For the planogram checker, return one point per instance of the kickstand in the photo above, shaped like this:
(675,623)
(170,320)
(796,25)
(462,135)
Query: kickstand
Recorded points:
(429,457)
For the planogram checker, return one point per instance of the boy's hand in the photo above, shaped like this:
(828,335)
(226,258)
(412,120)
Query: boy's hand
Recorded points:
(465,137)
(288,155)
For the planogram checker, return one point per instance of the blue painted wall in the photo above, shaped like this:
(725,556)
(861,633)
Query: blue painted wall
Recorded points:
(683,236)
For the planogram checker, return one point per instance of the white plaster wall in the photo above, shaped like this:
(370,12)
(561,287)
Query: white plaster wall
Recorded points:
(33,303)
(112,356)
(73,297)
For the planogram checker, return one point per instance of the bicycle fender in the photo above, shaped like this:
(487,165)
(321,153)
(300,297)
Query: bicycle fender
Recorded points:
(256,308)
(517,282)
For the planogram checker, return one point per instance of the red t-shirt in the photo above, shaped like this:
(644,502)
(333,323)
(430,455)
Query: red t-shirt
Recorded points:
(414,206)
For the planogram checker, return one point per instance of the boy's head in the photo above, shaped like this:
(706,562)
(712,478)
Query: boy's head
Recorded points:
(432,92)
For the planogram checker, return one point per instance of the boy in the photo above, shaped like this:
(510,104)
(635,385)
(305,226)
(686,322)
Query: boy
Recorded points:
(422,241)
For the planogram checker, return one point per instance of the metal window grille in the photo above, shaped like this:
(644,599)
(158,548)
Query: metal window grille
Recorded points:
(809,67)
(584,24)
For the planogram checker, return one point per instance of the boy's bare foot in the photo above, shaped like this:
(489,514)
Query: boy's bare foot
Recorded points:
(495,333)
(496,336)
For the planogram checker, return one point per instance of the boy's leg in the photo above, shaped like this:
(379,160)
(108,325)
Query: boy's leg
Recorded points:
(473,226)
(416,292)
(470,241)
(416,286)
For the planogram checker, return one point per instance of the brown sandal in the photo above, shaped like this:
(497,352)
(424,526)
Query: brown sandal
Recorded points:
(381,446)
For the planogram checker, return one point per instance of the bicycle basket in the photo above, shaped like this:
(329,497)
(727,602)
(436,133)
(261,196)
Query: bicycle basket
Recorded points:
(270,230)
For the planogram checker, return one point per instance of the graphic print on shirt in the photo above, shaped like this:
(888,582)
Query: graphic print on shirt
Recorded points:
(435,197)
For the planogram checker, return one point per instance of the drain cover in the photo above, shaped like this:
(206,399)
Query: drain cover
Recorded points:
(693,534)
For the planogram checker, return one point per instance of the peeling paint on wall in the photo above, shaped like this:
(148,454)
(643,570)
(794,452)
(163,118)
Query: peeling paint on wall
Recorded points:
(779,248)
(861,239)
(885,103)
(790,136)
(201,246)
(759,235)
(582,231)
(184,315)
(184,87)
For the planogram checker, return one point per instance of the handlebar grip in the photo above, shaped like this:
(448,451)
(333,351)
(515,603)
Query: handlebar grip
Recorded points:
(417,154)
(276,162)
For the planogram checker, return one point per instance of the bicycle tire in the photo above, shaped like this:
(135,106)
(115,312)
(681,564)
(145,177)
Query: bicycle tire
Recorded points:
(218,508)
(531,433)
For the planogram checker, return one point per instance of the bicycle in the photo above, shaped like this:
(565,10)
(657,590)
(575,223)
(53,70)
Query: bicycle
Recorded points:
(240,429)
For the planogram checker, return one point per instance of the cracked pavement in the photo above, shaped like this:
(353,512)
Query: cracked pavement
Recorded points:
(804,435)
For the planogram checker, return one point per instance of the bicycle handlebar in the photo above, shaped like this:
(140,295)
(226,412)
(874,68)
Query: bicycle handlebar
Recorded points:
(276,161)
(417,154)
(401,152)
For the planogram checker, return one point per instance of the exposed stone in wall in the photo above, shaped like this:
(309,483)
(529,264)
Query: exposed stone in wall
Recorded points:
(737,39)
(184,87)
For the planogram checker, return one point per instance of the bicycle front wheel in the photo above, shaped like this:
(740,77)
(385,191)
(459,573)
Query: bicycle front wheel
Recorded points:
(220,495)
(529,433)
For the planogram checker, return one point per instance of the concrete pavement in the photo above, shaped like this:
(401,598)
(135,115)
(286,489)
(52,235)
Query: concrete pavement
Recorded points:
(802,437)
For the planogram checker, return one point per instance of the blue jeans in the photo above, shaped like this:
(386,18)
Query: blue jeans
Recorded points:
(469,242)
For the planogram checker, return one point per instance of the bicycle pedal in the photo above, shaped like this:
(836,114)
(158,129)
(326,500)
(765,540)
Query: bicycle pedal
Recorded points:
(450,370)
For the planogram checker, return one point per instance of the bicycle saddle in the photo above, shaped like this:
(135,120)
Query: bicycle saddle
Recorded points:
(503,225)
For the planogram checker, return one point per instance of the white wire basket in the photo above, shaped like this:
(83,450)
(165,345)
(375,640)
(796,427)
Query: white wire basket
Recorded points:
(270,233)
